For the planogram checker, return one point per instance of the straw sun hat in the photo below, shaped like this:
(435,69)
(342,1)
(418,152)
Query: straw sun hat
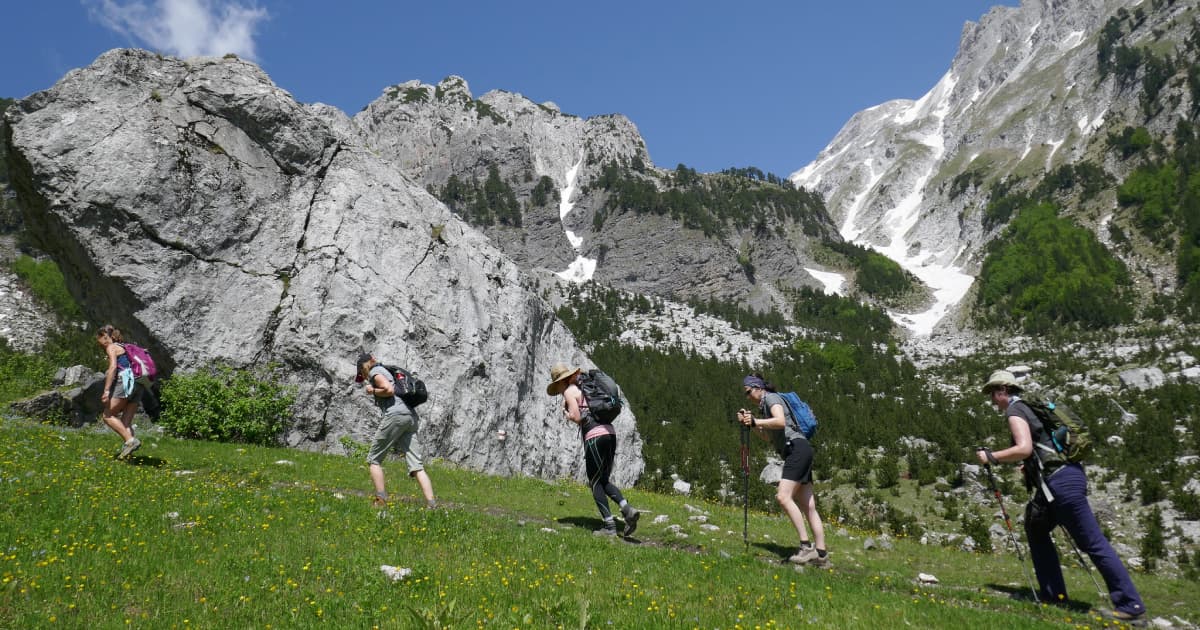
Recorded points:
(559,375)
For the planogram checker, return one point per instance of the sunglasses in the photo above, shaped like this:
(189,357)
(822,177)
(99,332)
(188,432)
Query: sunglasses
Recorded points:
(747,391)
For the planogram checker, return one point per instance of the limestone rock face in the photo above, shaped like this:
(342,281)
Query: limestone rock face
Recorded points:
(432,133)
(200,208)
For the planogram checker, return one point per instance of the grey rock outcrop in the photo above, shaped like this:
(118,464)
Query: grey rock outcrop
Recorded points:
(203,210)
(1142,378)
(75,399)
(435,132)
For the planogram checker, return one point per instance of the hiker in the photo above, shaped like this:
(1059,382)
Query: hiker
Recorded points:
(779,428)
(119,400)
(397,430)
(599,449)
(1060,499)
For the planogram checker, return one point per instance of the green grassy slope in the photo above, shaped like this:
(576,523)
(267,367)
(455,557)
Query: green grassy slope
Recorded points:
(202,535)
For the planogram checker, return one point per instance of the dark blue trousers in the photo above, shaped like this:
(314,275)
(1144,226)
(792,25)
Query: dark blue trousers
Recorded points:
(1071,510)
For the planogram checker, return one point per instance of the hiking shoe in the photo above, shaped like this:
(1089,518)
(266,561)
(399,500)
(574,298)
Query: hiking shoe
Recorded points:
(609,529)
(1133,619)
(378,502)
(804,556)
(631,520)
(818,561)
(129,447)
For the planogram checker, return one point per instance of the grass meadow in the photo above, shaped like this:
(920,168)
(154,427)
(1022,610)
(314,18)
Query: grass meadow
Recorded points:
(193,534)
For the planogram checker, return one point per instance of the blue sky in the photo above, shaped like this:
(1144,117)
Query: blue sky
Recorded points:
(709,84)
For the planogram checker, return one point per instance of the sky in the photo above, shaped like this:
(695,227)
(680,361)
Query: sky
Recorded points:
(713,85)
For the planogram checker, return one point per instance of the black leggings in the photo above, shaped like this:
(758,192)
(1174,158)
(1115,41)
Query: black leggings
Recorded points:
(598,454)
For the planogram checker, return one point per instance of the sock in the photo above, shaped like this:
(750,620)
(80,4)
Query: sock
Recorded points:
(624,504)
(805,544)
(822,553)
(610,522)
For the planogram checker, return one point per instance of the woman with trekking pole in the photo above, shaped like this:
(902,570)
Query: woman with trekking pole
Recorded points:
(1060,498)
(795,492)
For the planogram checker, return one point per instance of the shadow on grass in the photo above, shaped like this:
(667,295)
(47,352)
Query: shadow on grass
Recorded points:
(1023,594)
(774,548)
(592,524)
(144,460)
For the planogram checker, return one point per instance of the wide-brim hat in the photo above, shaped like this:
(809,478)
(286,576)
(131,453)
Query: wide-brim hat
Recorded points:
(998,379)
(559,375)
(362,358)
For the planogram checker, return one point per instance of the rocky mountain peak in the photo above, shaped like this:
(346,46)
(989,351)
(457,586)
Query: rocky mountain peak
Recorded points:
(1022,96)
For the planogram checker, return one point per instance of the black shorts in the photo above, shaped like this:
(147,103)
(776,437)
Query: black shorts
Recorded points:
(798,465)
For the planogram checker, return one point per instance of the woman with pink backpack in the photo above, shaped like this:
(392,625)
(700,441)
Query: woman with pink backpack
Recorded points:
(122,391)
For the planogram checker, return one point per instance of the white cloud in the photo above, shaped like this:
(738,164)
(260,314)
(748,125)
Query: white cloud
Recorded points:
(185,28)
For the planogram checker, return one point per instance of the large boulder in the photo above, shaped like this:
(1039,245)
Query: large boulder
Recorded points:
(200,208)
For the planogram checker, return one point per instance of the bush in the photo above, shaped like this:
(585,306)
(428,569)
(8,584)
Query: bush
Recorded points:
(227,404)
(22,375)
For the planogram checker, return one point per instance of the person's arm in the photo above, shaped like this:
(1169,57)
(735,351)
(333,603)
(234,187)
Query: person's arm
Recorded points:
(1021,449)
(113,351)
(571,404)
(380,387)
(761,425)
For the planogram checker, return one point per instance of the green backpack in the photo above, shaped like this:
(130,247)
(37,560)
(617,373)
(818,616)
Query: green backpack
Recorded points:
(1067,433)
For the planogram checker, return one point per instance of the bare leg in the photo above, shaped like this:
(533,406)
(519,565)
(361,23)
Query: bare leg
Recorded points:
(377,479)
(809,500)
(113,417)
(426,485)
(786,496)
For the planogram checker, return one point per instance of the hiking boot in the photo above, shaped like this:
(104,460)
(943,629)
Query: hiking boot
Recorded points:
(609,529)
(804,556)
(631,519)
(1133,619)
(819,561)
(129,447)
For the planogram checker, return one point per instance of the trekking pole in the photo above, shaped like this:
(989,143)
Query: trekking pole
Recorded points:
(1008,522)
(1087,567)
(746,485)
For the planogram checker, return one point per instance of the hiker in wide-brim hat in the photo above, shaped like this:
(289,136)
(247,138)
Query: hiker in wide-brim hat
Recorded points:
(1001,379)
(599,448)
(560,378)
(1059,499)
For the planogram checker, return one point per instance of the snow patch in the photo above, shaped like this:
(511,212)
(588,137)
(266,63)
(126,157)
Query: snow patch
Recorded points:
(1053,149)
(582,269)
(833,282)
(1072,40)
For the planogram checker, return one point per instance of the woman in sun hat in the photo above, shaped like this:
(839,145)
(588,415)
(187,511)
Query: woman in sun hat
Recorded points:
(599,448)
(1060,498)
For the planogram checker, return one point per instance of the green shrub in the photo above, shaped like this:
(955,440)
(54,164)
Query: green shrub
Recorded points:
(22,375)
(227,404)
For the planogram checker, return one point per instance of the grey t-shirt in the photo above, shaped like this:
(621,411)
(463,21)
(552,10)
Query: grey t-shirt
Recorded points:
(387,404)
(780,439)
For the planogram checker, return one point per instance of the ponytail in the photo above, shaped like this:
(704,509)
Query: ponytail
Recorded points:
(112,332)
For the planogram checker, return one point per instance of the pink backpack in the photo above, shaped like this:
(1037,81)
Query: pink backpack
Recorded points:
(142,364)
